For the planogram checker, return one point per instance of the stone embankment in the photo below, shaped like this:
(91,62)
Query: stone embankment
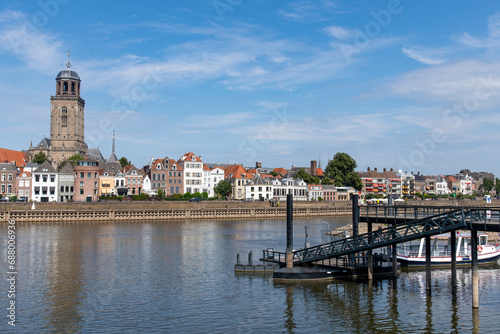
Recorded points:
(134,211)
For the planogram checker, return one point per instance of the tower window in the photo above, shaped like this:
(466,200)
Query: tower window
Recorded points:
(72,87)
(65,86)
(64,118)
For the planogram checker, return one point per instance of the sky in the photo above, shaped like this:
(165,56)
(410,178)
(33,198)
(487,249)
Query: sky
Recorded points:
(410,85)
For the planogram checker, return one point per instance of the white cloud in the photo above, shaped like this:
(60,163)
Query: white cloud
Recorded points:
(492,41)
(19,36)
(341,33)
(425,56)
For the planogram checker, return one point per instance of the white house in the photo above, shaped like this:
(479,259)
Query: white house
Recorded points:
(315,192)
(193,173)
(283,187)
(258,188)
(44,184)
(211,177)
(442,186)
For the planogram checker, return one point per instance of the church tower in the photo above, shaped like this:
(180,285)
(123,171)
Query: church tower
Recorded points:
(67,117)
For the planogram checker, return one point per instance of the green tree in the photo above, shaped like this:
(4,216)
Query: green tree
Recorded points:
(488,185)
(74,158)
(204,194)
(161,193)
(223,188)
(497,186)
(40,158)
(124,162)
(275,174)
(197,194)
(341,170)
(187,195)
(326,181)
(306,177)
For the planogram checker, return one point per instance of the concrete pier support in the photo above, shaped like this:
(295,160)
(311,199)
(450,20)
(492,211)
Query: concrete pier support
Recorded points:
(289,231)
(428,277)
(475,273)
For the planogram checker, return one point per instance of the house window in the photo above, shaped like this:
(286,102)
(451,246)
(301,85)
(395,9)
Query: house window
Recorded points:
(9,178)
(89,175)
(37,190)
(81,191)
(82,175)
(81,183)
(52,178)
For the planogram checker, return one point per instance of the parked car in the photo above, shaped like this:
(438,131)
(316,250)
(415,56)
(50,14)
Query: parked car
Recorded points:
(195,199)
(4,199)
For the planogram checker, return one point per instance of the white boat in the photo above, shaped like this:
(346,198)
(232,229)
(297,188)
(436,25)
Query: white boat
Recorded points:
(412,253)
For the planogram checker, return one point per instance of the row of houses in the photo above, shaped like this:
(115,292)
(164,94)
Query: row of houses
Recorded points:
(407,185)
(89,179)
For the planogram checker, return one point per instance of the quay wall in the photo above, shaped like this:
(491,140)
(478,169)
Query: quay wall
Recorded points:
(229,212)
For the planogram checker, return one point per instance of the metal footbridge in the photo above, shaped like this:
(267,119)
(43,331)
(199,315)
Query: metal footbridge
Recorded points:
(405,230)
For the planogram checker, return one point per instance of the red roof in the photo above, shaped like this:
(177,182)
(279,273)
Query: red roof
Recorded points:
(7,156)
(319,172)
(280,170)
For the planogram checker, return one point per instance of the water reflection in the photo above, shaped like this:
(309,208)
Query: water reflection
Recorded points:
(177,277)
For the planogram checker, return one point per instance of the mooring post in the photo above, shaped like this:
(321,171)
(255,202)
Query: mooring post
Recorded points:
(355,215)
(370,253)
(289,231)
(250,258)
(394,258)
(428,264)
(238,259)
(453,246)
(355,222)
(475,274)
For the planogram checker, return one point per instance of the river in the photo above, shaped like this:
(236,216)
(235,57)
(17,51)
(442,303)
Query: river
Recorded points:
(178,277)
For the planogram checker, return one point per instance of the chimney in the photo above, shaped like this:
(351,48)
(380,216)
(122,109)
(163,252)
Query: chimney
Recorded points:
(385,170)
(368,169)
(258,164)
(314,168)
(375,169)
(392,170)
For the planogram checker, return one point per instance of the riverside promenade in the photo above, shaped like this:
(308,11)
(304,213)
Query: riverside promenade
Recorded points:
(133,211)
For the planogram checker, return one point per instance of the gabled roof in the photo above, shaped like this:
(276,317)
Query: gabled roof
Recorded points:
(67,169)
(236,172)
(189,157)
(8,156)
(206,168)
(43,144)
(172,162)
(26,174)
(258,179)
(46,167)
(451,179)
(156,163)
(7,167)
(94,154)
(280,170)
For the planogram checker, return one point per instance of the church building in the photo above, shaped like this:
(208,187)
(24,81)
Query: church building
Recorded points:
(67,121)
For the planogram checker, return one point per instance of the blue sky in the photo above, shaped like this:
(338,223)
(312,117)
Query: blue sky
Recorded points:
(412,85)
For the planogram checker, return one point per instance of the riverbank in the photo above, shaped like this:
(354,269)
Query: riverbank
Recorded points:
(126,211)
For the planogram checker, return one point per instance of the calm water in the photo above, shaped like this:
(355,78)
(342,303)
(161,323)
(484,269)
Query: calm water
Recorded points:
(177,277)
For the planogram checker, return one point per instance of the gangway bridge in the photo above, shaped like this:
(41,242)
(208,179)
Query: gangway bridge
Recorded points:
(405,224)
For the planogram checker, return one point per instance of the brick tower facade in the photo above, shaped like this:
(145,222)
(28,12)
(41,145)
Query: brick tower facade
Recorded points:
(67,118)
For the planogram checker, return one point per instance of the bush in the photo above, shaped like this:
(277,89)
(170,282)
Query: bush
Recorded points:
(141,197)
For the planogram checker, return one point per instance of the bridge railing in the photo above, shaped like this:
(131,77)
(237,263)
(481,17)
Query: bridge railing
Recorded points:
(394,234)
(390,214)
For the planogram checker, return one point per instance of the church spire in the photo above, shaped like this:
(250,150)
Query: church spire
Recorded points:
(68,63)
(113,142)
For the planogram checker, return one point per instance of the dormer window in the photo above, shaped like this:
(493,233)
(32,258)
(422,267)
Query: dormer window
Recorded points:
(158,166)
(174,167)
(193,158)
(106,174)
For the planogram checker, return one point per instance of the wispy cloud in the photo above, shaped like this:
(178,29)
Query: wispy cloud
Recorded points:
(425,56)
(37,49)
(310,10)
(492,41)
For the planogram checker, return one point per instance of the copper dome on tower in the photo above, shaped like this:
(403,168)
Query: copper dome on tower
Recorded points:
(67,73)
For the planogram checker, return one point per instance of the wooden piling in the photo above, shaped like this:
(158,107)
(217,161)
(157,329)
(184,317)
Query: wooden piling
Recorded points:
(428,277)
(475,273)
